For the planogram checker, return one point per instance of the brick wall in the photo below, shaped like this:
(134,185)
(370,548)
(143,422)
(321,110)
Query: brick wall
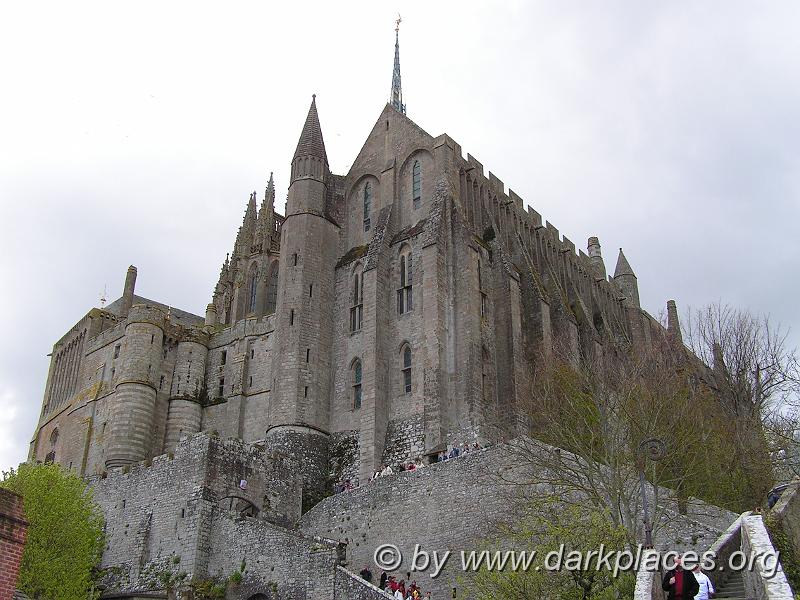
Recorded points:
(13,531)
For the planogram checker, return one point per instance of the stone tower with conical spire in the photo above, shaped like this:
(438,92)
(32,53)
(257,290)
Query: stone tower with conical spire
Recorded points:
(299,407)
(625,278)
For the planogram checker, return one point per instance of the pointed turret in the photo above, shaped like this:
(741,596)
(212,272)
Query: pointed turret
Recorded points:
(396,96)
(310,158)
(310,173)
(299,404)
(625,278)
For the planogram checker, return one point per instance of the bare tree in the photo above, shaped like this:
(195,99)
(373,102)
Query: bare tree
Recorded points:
(756,375)
(753,368)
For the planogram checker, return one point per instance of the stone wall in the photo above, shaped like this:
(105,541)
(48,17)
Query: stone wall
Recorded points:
(787,513)
(277,560)
(351,587)
(13,531)
(456,505)
(161,514)
(755,539)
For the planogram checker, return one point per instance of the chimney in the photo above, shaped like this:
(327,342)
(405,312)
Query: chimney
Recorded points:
(673,325)
(211,315)
(127,295)
(596,257)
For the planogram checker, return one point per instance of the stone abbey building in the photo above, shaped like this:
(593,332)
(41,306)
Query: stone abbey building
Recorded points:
(392,311)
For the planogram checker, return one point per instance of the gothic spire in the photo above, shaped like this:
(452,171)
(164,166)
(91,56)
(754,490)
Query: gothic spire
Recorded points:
(265,213)
(396,99)
(311,142)
(623,266)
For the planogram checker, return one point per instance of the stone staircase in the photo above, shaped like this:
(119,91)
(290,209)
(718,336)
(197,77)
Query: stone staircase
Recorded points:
(732,588)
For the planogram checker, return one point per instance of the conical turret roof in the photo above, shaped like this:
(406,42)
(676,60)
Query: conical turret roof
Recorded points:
(311,142)
(623,266)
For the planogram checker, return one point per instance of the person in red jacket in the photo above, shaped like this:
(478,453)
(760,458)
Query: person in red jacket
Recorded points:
(680,583)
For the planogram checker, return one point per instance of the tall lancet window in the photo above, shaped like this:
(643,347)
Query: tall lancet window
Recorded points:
(416,184)
(405,298)
(253,283)
(272,288)
(405,368)
(367,204)
(356,383)
(357,300)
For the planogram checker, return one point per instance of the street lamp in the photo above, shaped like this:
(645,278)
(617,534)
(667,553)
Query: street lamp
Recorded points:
(654,449)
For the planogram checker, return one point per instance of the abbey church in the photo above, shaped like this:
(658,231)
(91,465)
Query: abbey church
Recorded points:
(394,311)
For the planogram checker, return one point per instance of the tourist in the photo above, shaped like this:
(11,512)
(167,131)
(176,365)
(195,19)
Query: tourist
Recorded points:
(400,591)
(383,580)
(706,587)
(419,464)
(681,584)
(366,574)
(387,470)
(411,467)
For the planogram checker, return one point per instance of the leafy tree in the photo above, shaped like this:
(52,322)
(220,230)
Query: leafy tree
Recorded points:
(549,525)
(65,537)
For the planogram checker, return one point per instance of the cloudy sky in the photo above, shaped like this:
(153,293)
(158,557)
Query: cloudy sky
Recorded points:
(133,133)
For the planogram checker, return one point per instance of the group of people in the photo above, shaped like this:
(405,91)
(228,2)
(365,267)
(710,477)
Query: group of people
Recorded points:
(398,589)
(457,451)
(387,470)
(454,452)
(687,585)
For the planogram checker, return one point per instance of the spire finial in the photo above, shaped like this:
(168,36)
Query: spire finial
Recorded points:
(396,98)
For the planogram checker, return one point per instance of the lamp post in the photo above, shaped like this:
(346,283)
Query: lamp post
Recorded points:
(654,449)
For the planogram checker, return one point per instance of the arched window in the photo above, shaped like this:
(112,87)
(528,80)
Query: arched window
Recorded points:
(357,299)
(405,298)
(272,288)
(51,456)
(405,368)
(367,204)
(253,289)
(355,375)
(416,183)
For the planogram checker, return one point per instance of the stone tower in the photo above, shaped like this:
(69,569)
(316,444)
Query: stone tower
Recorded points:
(625,278)
(133,407)
(185,412)
(299,407)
